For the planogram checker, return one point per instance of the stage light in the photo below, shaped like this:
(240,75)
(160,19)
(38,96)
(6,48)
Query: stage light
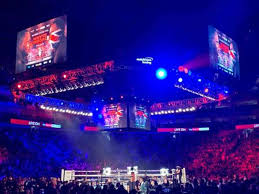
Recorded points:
(90,114)
(152,113)
(180,110)
(199,80)
(122,97)
(164,171)
(111,98)
(131,169)
(187,109)
(181,68)
(206,90)
(161,73)
(107,171)
(100,116)
(192,109)
(180,80)
(226,91)
(97,109)
(156,113)
(19,86)
(186,70)
(65,76)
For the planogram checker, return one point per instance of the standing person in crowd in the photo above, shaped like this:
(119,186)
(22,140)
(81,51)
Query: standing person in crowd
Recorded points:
(143,186)
(132,186)
(152,187)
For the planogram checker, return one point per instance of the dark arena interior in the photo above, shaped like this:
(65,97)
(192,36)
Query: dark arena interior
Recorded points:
(104,97)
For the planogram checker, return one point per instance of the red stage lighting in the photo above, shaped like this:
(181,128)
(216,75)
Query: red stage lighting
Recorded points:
(65,76)
(206,90)
(181,68)
(19,86)
(186,70)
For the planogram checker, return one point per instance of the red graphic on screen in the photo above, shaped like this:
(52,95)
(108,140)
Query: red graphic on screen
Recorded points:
(42,44)
(141,117)
(223,52)
(112,115)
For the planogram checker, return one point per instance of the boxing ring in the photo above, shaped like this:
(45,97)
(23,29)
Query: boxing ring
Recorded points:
(119,175)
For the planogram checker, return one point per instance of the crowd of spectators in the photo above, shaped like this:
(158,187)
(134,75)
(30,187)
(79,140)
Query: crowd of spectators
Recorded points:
(9,185)
(214,156)
(226,154)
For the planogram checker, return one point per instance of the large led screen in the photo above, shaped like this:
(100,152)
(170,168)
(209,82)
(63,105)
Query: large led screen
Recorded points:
(42,45)
(139,116)
(223,52)
(113,116)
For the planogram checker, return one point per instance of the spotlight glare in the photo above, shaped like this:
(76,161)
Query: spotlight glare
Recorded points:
(180,80)
(186,70)
(19,86)
(199,80)
(161,73)
(181,68)
(206,90)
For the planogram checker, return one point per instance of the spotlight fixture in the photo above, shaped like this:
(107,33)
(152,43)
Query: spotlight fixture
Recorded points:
(19,86)
(181,68)
(107,171)
(180,80)
(164,171)
(186,70)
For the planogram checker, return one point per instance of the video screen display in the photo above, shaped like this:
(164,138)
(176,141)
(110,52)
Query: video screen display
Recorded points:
(114,116)
(42,45)
(223,52)
(139,116)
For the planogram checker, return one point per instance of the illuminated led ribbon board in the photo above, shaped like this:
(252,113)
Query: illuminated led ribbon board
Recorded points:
(34,123)
(247,126)
(194,102)
(170,130)
(86,75)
